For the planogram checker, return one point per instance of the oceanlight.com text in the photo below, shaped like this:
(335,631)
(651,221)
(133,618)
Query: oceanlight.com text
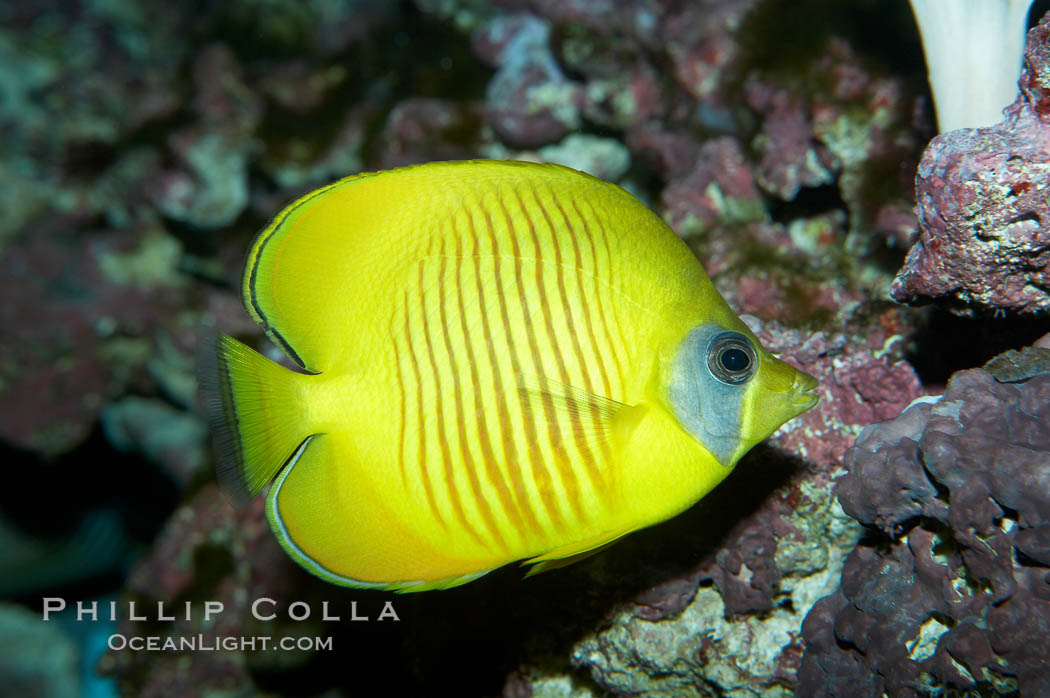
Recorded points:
(210,643)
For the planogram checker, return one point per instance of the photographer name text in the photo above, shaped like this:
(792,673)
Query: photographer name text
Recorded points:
(262,609)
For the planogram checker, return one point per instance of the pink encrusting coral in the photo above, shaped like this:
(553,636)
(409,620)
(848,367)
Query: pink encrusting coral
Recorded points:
(529,102)
(983,200)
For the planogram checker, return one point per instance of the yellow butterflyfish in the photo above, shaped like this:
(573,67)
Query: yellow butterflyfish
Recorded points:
(501,361)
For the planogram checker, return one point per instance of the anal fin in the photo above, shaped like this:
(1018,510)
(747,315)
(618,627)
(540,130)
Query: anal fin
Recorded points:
(573,552)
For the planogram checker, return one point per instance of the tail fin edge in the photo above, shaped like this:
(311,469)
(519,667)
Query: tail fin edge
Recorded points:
(254,411)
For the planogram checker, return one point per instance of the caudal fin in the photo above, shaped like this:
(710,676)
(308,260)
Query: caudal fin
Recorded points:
(255,410)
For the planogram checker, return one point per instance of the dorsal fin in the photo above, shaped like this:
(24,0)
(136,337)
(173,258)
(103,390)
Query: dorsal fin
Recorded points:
(295,276)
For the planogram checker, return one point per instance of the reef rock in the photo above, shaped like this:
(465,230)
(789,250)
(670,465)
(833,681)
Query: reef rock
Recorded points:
(955,596)
(207,551)
(423,129)
(983,206)
(720,189)
(62,364)
(39,659)
(530,102)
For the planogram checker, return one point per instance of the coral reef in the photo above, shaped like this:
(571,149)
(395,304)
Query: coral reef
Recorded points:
(144,150)
(983,208)
(61,365)
(38,659)
(529,102)
(730,626)
(207,551)
(955,593)
(162,434)
(719,189)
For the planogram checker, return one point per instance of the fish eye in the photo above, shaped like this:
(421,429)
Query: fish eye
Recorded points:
(731,358)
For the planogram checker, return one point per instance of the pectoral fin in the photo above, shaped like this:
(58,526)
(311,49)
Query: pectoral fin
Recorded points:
(576,411)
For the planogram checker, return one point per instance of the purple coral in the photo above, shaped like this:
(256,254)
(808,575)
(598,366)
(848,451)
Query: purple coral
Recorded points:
(957,597)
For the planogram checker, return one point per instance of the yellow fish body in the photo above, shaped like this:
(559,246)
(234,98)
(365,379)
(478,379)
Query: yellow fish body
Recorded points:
(506,361)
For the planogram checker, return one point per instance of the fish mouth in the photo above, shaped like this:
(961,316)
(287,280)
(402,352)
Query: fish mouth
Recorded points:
(805,390)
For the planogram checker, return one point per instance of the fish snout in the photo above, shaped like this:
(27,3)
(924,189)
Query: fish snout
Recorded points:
(805,390)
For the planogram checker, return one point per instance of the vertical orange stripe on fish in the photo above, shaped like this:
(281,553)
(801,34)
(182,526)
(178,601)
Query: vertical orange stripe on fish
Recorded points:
(541,477)
(495,477)
(514,473)
(596,350)
(565,306)
(570,486)
(471,470)
(617,320)
(599,293)
(402,407)
(439,409)
(422,453)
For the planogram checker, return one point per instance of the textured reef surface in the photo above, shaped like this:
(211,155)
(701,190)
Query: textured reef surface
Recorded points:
(144,149)
(983,206)
(954,591)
